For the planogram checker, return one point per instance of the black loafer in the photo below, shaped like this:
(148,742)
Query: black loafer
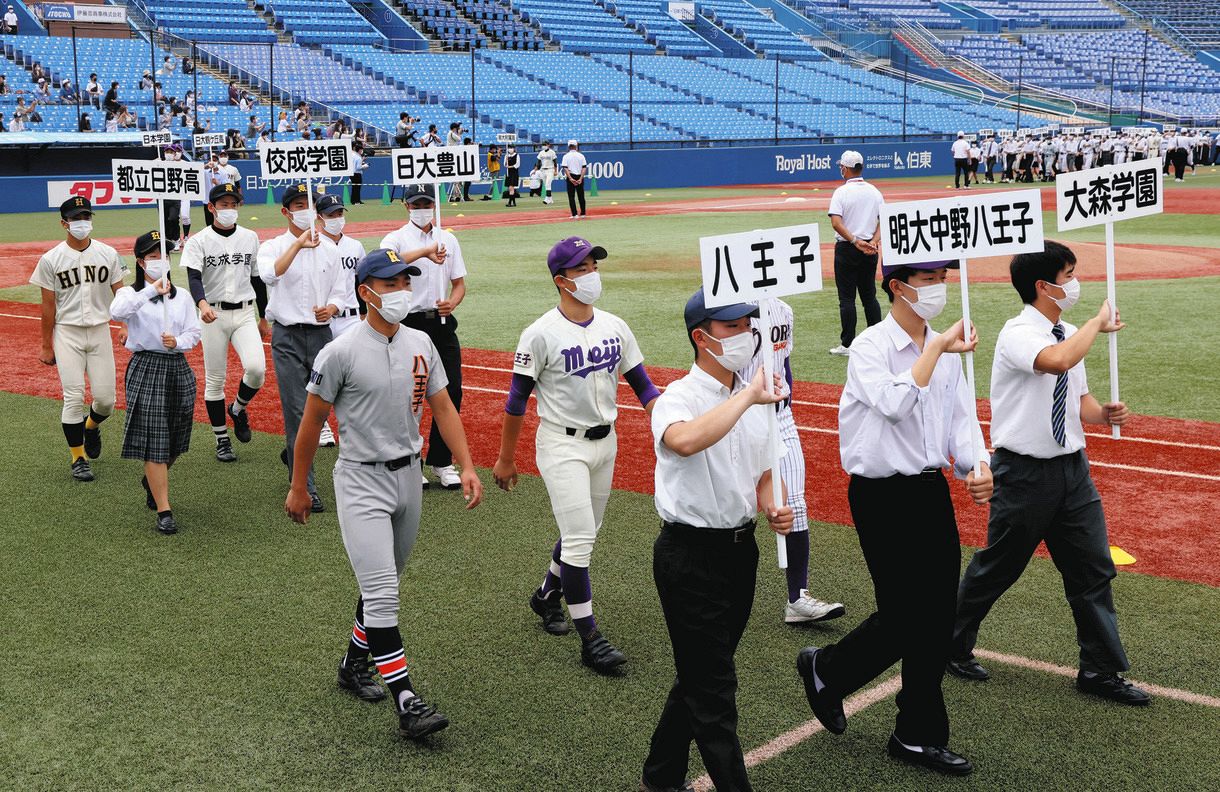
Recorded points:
(315,503)
(551,613)
(933,757)
(827,708)
(1114,688)
(968,668)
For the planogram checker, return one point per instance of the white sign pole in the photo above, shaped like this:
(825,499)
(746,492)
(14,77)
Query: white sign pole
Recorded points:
(966,328)
(767,349)
(313,232)
(436,227)
(164,255)
(1115,431)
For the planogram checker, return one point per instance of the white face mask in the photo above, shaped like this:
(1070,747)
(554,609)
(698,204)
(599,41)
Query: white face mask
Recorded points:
(334,225)
(422,217)
(303,218)
(930,300)
(588,287)
(223,160)
(395,305)
(155,268)
(80,228)
(226,218)
(1071,294)
(737,351)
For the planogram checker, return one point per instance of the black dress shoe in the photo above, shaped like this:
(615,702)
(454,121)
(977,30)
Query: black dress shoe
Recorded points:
(827,708)
(968,668)
(933,757)
(551,613)
(1113,687)
(315,503)
(166,524)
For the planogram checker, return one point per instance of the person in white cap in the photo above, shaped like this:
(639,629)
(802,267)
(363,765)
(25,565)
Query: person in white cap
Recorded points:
(574,168)
(855,215)
(961,162)
(10,21)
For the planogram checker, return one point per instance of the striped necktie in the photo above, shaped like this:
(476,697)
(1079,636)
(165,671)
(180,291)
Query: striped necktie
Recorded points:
(1059,401)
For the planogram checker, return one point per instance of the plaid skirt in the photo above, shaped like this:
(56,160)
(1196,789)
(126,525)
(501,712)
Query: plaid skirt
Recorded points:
(160,406)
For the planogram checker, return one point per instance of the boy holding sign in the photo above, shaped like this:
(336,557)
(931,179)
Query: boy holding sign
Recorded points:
(1044,491)
(905,414)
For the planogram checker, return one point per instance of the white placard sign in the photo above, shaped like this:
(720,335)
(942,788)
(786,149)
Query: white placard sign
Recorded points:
(157,179)
(986,132)
(209,140)
(160,138)
(506,137)
(756,265)
(306,159)
(435,164)
(991,224)
(1109,194)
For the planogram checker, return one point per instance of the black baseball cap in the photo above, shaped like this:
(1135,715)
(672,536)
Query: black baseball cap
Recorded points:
(383,263)
(221,190)
(697,312)
(147,243)
(886,270)
(291,193)
(328,204)
(76,205)
(415,192)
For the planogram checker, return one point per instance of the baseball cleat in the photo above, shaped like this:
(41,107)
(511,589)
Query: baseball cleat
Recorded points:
(551,613)
(840,350)
(315,503)
(809,608)
(419,719)
(241,423)
(600,655)
(81,471)
(166,524)
(93,442)
(326,438)
(448,476)
(426,483)
(356,677)
(149,500)
(224,450)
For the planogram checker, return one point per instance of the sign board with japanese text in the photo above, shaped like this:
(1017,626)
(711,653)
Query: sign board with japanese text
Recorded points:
(962,226)
(435,164)
(306,159)
(506,137)
(160,138)
(1110,193)
(160,179)
(756,265)
(210,140)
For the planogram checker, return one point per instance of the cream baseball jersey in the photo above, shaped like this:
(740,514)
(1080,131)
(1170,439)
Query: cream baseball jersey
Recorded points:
(225,263)
(781,317)
(81,280)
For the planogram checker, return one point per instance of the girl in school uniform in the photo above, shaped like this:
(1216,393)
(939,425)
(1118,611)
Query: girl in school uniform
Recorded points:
(160,383)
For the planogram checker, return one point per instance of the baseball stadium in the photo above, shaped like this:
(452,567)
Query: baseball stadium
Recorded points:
(218,218)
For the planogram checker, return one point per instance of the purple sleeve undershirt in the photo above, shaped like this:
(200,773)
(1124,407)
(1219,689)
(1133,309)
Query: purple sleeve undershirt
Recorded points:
(638,379)
(518,394)
(788,377)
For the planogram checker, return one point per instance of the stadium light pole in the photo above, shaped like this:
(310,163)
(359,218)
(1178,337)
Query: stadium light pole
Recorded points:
(1110,117)
(1020,77)
(631,99)
(906,77)
(76,78)
(473,116)
(1143,77)
(152,75)
(271,88)
(195,90)
(777,100)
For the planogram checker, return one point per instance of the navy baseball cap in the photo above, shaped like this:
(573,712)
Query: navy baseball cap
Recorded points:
(415,192)
(294,192)
(328,204)
(221,190)
(887,270)
(147,243)
(570,252)
(76,205)
(383,263)
(697,312)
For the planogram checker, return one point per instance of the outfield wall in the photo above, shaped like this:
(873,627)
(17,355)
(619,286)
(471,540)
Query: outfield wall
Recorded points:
(613,170)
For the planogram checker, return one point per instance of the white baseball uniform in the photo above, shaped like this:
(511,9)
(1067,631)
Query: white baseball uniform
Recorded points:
(350,253)
(577,369)
(792,463)
(226,264)
(546,169)
(82,282)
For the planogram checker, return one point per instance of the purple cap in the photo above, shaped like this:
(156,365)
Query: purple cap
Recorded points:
(887,270)
(570,252)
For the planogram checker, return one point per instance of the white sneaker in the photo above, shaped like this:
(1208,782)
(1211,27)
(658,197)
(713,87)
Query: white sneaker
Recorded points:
(426,483)
(840,350)
(811,609)
(326,438)
(448,476)
(551,201)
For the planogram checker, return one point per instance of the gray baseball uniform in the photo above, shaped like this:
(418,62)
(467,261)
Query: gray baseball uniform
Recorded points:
(366,377)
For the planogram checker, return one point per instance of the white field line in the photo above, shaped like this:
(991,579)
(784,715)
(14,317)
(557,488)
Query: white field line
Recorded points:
(795,736)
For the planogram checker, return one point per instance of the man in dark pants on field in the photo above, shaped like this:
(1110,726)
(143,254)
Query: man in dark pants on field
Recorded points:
(438,290)
(1039,399)
(712,477)
(855,215)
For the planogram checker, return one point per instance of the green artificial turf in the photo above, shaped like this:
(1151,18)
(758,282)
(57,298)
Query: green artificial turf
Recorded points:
(206,660)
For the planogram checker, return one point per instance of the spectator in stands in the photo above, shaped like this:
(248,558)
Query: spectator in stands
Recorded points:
(146,82)
(234,140)
(158,94)
(85,124)
(111,103)
(112,122)
(168,65)
(42,91)
(3,128)
(301,111)
(10,21)
(454,138)
(93,91)
(360,136)
(337,129)
(493,170)
(283,124)
(37,72)
(961,163)
(254,128)
(855,216)
(575,168)
(127,119)
(432,138)
(302,122)
(404,131)
(188,65)
(3,85)
(358,168)
(164,118)
(234,93)
(21,114)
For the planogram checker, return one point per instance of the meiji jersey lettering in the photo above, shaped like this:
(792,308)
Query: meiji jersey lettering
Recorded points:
(577,367)
(378,386)
(225,263)
(81,281)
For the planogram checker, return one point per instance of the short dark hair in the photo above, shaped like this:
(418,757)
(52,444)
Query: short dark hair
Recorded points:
(1026,269)
(902,274)
(705,326)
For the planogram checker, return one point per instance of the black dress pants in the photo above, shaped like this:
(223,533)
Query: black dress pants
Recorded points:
(444,337)
(855,273)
